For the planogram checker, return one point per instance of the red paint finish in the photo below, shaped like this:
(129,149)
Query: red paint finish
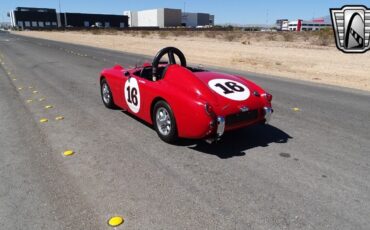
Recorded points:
(187,93)
(299,25)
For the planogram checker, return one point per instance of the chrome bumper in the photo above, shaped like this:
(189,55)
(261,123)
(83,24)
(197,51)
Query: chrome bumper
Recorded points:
(268,112)
(220,126)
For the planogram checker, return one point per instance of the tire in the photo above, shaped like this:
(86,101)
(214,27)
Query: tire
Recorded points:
(164,122)
(106,94)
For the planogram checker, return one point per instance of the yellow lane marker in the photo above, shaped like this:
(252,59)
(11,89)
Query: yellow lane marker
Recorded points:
(29,101)
(115,221)
(49,107)
(35,91)
(43,120)
(20,88)
(59,118)
(14,79)
(296,109)
(42,99)
(68,153)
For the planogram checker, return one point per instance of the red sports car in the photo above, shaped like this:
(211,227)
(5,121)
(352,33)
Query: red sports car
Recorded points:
(185,102)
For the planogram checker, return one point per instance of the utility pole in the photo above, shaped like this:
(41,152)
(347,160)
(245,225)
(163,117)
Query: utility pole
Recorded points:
(60,7)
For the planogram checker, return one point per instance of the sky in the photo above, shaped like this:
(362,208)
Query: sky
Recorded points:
(225,11)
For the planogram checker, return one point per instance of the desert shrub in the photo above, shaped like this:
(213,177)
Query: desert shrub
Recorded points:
(229,37)
(306,36)
(210,34)
(96,31)
(232,36)
(324,37)
(179,33)
(163,34)
(288,36)
(271,37)
(144,33)
(109,31)
(246,42)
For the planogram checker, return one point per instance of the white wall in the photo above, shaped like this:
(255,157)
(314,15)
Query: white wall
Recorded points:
(148,18)
(12,19)
(128,14)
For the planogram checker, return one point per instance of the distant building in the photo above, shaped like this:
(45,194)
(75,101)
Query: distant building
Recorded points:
(38,18)
(301,25)
(27,17)
(197,19)
(92,20)
(154,18)
(282,24)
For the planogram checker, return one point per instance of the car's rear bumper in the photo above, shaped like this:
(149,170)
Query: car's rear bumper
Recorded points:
(222,125)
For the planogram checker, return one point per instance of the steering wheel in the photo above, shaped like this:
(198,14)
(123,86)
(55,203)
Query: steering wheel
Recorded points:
(171,52)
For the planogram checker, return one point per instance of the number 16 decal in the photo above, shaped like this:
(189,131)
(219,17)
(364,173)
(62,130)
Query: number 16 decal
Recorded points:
(132,95)
(230,89)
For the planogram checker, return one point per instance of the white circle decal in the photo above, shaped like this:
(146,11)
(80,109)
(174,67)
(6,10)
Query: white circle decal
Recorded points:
(132,94)
(230,89)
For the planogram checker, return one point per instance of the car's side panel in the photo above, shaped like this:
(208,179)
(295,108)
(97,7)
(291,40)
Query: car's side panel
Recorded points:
(190,116)
(116,80)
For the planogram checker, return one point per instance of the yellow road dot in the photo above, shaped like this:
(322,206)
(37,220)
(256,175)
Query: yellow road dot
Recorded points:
(35,91)
(115,221)
(30,87)
(42,99)
(296,109)
(43,120)
(59,118)
(14,79)
(49,107)
(68,153)
(29,101)
(20,88)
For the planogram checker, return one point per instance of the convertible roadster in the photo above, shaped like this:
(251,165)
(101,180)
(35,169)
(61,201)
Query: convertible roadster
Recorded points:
(185,102)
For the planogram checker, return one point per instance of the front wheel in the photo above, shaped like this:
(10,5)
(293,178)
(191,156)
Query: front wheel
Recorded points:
(164,122)
(106,94)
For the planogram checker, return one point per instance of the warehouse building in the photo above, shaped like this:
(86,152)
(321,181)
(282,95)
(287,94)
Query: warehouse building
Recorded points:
(197,19)
(161,18)
(27,17)
(91,20)
(282,24)
(301,25)
(38,18)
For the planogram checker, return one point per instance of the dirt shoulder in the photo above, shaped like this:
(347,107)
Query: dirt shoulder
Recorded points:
(300,60)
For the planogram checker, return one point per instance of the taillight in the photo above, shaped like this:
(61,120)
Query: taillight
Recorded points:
(268,97)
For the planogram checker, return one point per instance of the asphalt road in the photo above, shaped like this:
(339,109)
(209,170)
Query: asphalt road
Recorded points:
(309,170)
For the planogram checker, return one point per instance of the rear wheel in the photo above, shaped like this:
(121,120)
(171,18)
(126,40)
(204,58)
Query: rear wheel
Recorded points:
(164,122)
(106,94)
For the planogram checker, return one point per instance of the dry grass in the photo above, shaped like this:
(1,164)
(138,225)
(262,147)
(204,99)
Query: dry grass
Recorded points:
(316,38)
(288,36)
(324,38)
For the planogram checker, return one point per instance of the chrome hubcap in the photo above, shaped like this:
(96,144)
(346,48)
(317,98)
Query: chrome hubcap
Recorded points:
(163,121)
(106,93)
